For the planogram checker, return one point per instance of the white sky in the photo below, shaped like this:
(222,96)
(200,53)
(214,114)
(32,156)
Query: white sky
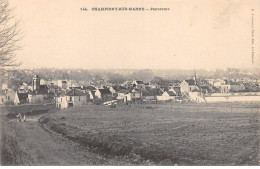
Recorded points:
(198,34)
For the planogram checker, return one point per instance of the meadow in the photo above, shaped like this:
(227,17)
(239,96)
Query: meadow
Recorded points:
(165,134)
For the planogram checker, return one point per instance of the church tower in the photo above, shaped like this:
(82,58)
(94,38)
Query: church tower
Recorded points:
(195,77)
(36,83)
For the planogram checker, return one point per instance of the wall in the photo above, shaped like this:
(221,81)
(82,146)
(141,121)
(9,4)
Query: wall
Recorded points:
(36,98)
(233,99)
(165,97)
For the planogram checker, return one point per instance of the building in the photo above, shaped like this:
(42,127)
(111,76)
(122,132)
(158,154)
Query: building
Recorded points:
(138,84)
(88,88)
(62,84)
(121,94)
(103,94)
(167,95)
(20,98)
(176,90)
(91,94)
(188,86)
(127,84)
(112,90)
(7,96)
(232,86)
(134,94)
(39,92)
(71,98)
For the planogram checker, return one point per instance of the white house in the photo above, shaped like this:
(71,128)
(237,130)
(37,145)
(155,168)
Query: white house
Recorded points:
(129,94)
(71,98)
(133,94)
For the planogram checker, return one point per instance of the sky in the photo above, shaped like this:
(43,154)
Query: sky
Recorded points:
(193,34)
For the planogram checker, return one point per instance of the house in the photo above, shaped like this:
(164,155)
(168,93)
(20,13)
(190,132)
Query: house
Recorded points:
(225,87)
(91,94)
(138,84)
(88,88)
(188,85)
(20,98)
(64,84)
(231,86)
(126,84)
(132,95)
(103,94)
(53,88)
(115,89)
(112,90)
(154,86)
(121,94)
(71,98)
(129,95)
(167,95)
(24,88)
(7,96)
(176,90)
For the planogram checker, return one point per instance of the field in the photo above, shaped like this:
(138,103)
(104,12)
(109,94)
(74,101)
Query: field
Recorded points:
(28,109)
(209,134)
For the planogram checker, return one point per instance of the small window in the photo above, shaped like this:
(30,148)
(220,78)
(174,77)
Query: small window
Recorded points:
(8,97)
(79,98)
(60,99)
(190,88)
(70,98)
(2,100)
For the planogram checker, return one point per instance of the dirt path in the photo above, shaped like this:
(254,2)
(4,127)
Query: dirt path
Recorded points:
(27,143)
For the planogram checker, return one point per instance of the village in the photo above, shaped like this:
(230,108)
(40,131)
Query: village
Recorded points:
(66,93)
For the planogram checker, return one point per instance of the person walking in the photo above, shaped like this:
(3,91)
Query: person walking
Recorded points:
(24,118)
(20,117)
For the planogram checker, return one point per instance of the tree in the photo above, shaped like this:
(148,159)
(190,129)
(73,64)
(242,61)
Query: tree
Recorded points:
(10,35)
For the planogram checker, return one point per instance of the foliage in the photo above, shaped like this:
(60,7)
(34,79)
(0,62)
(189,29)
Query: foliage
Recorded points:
(10,35)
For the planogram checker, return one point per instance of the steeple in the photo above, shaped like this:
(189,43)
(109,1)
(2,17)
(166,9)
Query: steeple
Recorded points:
(36,83)
(195,77)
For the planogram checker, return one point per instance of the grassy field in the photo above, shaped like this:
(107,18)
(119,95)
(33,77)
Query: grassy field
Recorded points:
(209,134)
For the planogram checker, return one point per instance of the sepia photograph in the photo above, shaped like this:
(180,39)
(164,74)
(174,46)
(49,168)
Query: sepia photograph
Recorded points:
(129,83)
